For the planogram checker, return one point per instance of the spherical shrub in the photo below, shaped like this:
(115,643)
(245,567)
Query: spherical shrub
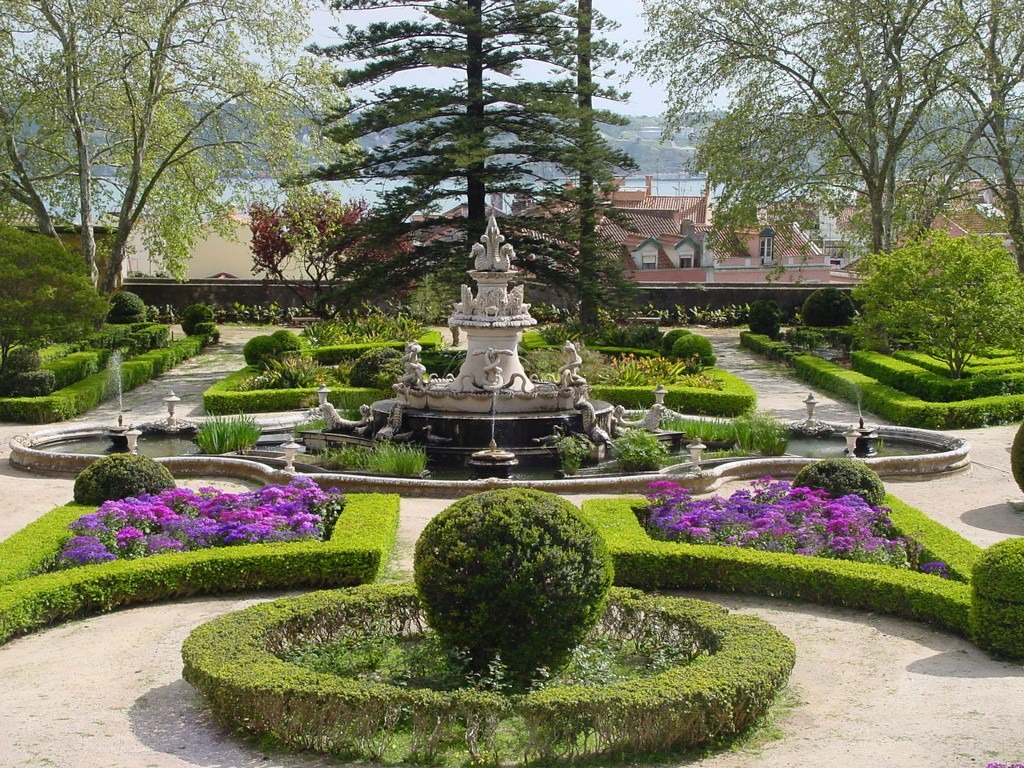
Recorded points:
(996,615)
(694,347)
(1017,457)
(377,368)
(670,338)
(765,318)
(209,330)
(286,341)
(827,308)
(841,477)
(515,575)
(193,315)
(119,476)
(126,307)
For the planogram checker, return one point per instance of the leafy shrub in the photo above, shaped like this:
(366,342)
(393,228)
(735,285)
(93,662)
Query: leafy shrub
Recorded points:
(398,459)
(631,335)
(762,433)
(572,451)
(840,477)
(27,384)
(827,308)
(292,372)
(997,599)
(514,575)
(227,434)
(193,315)
(209,330)
(694,349)
(632,371)
(125,308)
(1017,457)
(670,338)
(119,476)
(260,349)
(22,359)
(638,450)
(765,318)
(286,341)
(377,368)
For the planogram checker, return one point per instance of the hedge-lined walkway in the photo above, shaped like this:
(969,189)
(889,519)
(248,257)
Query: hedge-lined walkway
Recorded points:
(106,692)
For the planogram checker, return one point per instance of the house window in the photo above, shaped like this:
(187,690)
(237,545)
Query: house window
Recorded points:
(649,261)
(767,246)
(686,256)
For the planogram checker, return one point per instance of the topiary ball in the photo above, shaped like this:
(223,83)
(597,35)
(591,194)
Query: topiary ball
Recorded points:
(286,341)
(377,368)
(670,338)
(125,308)
(841,477)
(259,349)
(827,308)
(996,617)
(513,574)
(694,347)
(765,317)
(119,476)
(1017,457)
(194,315)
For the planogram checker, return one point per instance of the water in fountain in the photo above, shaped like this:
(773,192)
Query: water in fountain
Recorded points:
(114,374)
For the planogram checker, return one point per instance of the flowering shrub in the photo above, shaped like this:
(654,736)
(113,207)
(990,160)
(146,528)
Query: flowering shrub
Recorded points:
(180,519)
(775,516)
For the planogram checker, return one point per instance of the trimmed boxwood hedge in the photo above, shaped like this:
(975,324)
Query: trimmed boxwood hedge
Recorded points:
(224,397)
(356,554)
(927,385)
(887,402)
(997,608)
(735,397)
(235,661)
(335,354)
(979,365)
(79,397)
(642,562)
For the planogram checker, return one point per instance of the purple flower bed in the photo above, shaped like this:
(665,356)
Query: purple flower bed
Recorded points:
(776,517)
(179,520)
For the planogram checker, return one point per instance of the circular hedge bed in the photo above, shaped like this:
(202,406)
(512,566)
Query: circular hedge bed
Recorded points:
(237,662)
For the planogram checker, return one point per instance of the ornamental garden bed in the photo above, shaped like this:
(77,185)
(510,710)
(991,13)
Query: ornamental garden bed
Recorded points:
(907,388)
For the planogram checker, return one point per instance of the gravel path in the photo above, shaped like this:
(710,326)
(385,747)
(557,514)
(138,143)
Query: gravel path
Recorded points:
(871,690)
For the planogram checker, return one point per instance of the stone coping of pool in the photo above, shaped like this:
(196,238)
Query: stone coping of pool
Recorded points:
(952,454)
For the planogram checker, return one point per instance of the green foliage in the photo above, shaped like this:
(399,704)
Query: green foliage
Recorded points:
(997,599)
(638,335)
(825,308)
(638,450)
(951,297)
(572,451)
(695,350)
(44,294)
(261,349)
(512,574)
(332,355)
(630,371)
(119,476)
(765,317)
(126,308)
(923,383)
(840,477)
(385,458)
(356,554)
(706,430)
(224,397)
(762,433)
(195,315)
(743,662)
(27,384)
(292,372)
(670,338)
(378,368)
(734,397)
(1017,457)
(209,330)
(227,434)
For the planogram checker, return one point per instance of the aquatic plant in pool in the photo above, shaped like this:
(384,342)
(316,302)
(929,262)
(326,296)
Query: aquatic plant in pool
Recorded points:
(774,516)
(180,519)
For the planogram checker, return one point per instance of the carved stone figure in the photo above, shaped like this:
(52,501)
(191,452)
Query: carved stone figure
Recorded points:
(335,423)
(515,305)
(390,430)
(650,421)
(592,429)
(414,369)
(492,256)
(567,374)
(494,378)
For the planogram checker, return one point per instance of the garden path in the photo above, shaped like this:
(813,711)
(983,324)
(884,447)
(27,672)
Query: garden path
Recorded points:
(873,691)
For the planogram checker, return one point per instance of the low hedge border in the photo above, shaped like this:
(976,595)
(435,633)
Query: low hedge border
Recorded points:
(979,365)
(927,385)
(224,397)
(79,397)
(735,397)
(234,660)
(642,562)
(356,554)
(335,354)
(887,402)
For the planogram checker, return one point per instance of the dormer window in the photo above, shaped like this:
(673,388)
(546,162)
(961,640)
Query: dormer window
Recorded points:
(767,246)
(649,261)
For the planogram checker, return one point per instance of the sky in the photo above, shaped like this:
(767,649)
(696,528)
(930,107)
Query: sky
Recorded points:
(645,98)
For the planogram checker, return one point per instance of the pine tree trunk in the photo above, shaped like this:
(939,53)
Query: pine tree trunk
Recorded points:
(476,191)
(589,279)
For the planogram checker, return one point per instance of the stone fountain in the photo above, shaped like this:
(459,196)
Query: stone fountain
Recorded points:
(491,404)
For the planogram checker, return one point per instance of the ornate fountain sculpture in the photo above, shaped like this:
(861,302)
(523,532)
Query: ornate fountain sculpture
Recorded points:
(491,398)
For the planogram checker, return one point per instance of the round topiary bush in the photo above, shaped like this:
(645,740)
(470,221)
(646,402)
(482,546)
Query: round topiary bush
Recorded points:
(765,318)
(670,338)
(841,477)
(694,347)
(286,341)
(377,368)
(194,315)
(513,574)
(1017,457)
(125,308)
(827,308)
(997,599)
(119,476)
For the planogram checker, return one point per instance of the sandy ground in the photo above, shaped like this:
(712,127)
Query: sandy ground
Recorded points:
(867,690)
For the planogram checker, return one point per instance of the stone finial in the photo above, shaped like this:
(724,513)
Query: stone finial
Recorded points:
(492,256)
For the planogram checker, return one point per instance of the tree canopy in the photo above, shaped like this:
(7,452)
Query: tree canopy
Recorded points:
(950,297)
